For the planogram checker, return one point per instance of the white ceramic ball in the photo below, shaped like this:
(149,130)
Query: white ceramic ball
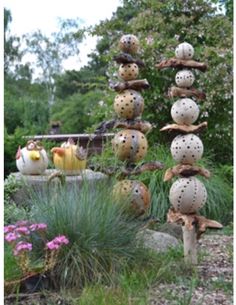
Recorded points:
(184,78)
(187,148)
(184,51)
(187,195)
(185,111)
(27,166)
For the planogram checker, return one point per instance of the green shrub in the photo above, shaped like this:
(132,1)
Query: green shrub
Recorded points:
(101,234)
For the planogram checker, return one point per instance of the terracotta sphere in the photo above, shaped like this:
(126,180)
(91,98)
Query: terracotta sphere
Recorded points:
(185,111)
(187,148)
(136,192)
(130,145)
(128,71)
(129,44)
(184,78)
(187,195)
(184,51)
(129,104)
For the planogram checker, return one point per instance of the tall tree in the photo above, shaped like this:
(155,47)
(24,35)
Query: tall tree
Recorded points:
(50,52)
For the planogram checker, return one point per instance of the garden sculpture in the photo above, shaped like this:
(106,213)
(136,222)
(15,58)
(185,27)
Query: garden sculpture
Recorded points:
(32,159)
(69,158)
(130,144)
(187,194)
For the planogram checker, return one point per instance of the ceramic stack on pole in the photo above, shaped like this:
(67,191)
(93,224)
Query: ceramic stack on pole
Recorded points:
(187,194)
(130,144)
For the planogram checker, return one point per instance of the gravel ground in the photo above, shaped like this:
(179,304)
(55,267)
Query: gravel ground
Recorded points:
(215,277)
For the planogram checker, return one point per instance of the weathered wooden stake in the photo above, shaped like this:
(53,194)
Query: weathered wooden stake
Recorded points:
(190,245)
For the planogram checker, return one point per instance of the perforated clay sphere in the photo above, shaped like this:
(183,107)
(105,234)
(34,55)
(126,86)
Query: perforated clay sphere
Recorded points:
(129,44)
(129,104)
(130,145)
(184,51)
(187,195)
(128,71)
(185,111)
(187,148)
(184,78)
(136,191)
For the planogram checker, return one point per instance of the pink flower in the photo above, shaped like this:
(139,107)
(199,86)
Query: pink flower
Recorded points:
(22,223)
(38,227)
(23,230)
(9,228)
(10,237)
(52,246)
(57,242)
(61,239)
(22,246)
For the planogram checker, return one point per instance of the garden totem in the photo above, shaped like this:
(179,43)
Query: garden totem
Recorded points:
(187,194)
(130,144)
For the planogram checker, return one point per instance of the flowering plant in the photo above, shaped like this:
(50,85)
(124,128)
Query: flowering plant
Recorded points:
(19,236)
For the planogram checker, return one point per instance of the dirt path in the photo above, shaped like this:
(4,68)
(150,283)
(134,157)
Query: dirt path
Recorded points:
(214,281)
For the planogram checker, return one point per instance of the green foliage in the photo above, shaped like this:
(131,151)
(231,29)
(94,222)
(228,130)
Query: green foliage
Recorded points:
(80,111)
(11,269)
(102,237)
(160,27)
(12,212)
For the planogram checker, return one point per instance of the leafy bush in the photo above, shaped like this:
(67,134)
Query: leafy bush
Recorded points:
(12,212)
(101,234)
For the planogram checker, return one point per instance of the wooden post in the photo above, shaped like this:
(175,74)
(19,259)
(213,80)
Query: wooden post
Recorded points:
(190,245)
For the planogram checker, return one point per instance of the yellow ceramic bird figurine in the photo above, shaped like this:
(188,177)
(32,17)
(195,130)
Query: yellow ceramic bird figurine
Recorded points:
(69,158)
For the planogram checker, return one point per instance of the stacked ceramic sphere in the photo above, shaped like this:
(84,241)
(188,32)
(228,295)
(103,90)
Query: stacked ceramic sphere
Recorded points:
(187,194)
(130,145)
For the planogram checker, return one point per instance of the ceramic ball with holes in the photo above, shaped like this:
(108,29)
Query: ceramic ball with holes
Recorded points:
(129,44)
(32,159)
(187,195)
(128,71)
(186,149)
(130,145)
(136,192)
(184,78)
(185,111)
(129,104)
(184,51)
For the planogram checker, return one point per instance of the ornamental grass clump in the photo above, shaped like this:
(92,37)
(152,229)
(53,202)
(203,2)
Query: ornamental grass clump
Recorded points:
(102,235)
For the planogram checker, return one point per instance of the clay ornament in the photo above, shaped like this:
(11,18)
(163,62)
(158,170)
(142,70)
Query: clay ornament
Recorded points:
(69,158)
(130,145)
(32,159)
(187,195)
(128,104)
(184,78)
(184,51)
(129,44)
(186,149)
(136,192)
(185,111)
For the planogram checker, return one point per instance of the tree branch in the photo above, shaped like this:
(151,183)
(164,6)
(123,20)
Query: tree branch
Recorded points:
(125,58)
(133,84)
(183,92)
(186,170)
(181,63)
(131,170)
(185,128)
(192,220)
